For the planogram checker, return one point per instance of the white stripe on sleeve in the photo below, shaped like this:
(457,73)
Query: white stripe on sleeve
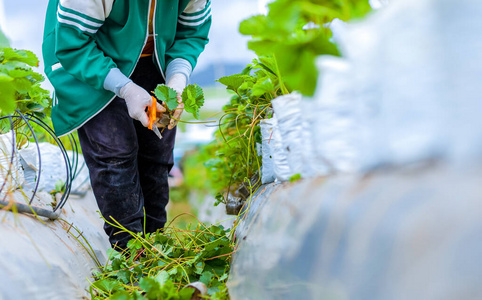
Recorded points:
(196,23)
(79,18)
(196,17)
(75,24)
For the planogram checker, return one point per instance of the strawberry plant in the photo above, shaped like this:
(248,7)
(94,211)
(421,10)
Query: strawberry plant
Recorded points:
(20,86)
(234,157)
(161,265)
(21,92)
(192,99)
(288,39)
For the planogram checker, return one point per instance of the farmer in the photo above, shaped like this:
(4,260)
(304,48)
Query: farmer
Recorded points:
(103,57)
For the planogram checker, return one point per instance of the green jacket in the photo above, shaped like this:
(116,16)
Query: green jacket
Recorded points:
(85,39)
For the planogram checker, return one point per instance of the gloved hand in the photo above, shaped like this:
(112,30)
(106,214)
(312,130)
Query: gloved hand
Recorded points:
(177,82)
(137,100)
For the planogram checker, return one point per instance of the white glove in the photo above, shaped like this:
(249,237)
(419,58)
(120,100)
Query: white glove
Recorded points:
(178,83)
(137,100)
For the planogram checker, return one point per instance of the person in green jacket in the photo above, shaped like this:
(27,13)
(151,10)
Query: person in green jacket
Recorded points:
(103,57)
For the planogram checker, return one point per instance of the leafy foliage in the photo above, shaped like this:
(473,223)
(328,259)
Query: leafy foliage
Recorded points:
(287,40)
(192,97)
(232,159)
(20,85)
(295,32)
(167,95)
(160,265)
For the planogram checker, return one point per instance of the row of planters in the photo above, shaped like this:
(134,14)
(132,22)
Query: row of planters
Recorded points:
(268,129)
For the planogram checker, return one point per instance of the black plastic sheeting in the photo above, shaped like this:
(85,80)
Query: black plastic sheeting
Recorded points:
(405,234)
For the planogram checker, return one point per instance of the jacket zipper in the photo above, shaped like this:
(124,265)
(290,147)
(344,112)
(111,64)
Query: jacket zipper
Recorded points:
(145,40)
(138,58)
(155,38)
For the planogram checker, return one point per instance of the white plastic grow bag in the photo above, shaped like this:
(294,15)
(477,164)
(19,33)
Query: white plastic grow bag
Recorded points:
(281,167)
(267,170)
(338,129)
(287,109)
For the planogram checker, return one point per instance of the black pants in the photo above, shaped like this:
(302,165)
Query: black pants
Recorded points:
(129,164)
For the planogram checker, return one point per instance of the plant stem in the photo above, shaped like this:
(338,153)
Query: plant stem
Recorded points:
(281,83)
(199,122)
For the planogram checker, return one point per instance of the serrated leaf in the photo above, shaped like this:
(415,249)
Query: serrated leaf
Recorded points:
(167,95)
(232,82)
(23,56)
(193,99)
(19,73)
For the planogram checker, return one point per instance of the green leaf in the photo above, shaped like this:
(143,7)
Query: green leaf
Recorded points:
(134,244)
(255,25)
(167,95)
(151,287)
(199,268)
(106,285)
(233,82)
(206,278)
(7,96)
(186,294)
(124,276)
(23,56)
(213,162)
(112,254)
(35,106)
(162,277)
(193,99)
(219,199)
(121,296)
(169,291)
(5,78)
(59,185)
(23,86)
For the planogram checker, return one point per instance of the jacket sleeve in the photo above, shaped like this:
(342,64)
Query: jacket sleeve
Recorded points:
(76,48)
(192,32)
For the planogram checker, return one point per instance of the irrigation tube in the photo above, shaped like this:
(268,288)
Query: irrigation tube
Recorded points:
(72,169)
(24,208)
